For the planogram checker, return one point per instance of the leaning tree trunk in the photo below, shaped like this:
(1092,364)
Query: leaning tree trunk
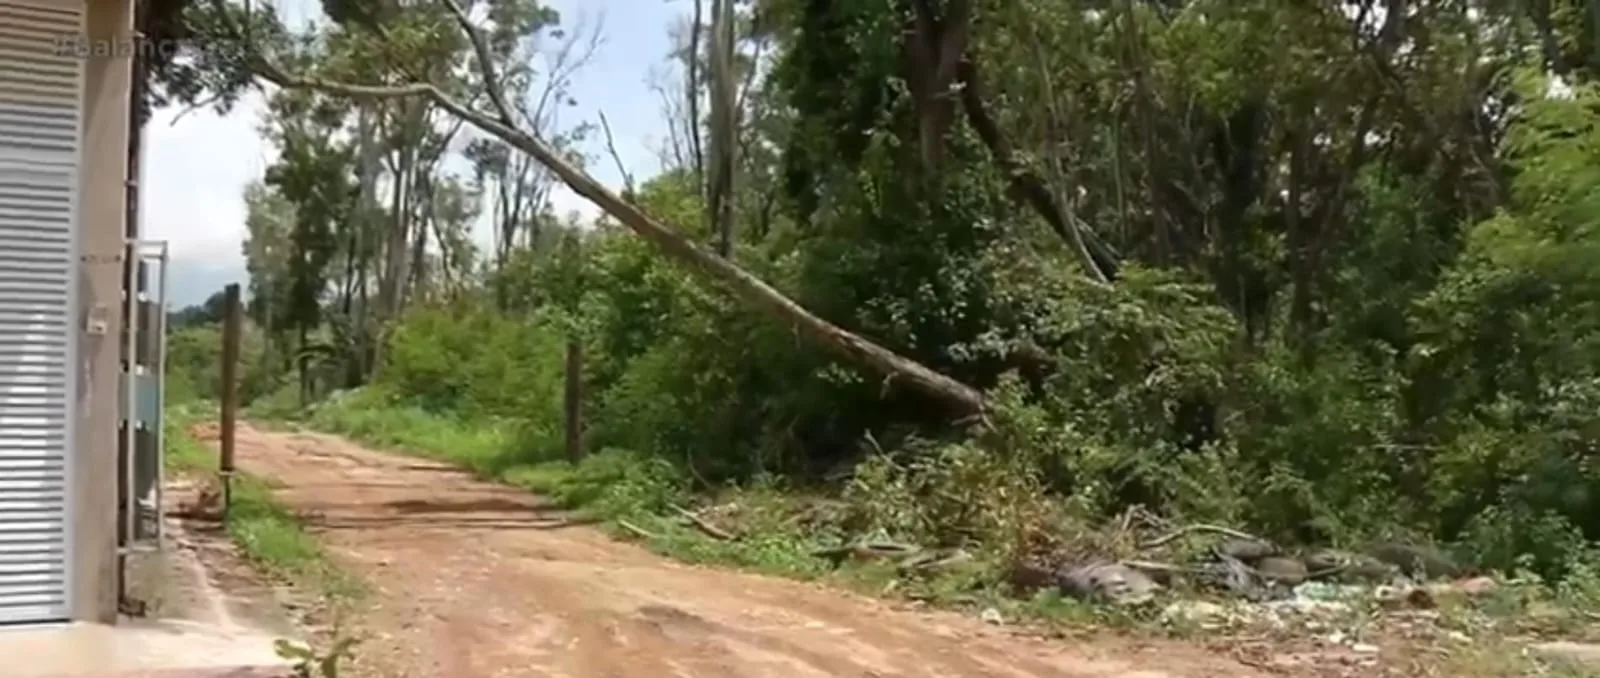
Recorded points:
(742,284)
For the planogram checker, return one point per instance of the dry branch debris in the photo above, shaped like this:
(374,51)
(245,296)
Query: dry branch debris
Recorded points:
(1191,529)
(705,526)
(867,551)
(637,531)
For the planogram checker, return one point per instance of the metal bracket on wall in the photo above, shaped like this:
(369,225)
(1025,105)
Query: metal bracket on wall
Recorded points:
(99,322)
(144,393)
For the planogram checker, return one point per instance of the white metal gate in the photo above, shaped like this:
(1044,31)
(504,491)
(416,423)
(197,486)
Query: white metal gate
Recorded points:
(40,95)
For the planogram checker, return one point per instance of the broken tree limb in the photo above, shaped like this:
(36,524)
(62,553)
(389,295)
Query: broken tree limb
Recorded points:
(480,47)
(637,531)
(1150,566)
(749,289)
(705,526)
(1026,185)
(932,561)
(866,551)
(1327,572)
(1191,529)
(1114,582)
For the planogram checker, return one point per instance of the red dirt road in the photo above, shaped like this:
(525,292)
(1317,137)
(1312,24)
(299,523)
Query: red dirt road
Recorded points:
(470,581)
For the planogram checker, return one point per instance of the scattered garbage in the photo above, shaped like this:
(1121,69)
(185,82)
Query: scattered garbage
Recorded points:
(1113,582)
(1349,604)
(1203,613)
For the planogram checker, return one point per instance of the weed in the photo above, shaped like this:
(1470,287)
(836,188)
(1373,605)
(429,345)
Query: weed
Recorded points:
(309,662)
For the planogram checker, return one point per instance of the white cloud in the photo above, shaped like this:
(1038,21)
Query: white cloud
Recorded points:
(195,170)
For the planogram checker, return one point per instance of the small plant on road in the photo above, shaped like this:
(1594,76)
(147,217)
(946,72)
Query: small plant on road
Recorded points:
(310,663)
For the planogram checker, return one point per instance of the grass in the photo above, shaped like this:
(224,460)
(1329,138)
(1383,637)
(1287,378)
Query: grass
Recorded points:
(268,535)
(615,486)
(623,488)
(620,488)
(186,456)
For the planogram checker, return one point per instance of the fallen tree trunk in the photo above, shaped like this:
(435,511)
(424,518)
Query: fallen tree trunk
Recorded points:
(851,347)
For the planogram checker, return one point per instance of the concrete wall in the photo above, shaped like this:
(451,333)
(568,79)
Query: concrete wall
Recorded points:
(102,217)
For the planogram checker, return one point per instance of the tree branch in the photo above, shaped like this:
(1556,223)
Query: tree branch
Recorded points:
(750,289)
(611,147)
(480,47)
(1025,185)
(1059,194)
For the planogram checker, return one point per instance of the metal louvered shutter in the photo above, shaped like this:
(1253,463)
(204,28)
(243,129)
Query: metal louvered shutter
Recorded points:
(40,93)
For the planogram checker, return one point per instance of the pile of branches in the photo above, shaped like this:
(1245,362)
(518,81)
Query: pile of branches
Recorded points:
(1154,554)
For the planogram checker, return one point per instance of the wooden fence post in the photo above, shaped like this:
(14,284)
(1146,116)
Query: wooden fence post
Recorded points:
(574,400)
(230,391)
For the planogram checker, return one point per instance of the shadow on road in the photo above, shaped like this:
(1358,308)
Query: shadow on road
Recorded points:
(468,513)
(475,505)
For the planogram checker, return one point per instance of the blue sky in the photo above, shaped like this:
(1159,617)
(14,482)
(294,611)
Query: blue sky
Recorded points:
(197,164)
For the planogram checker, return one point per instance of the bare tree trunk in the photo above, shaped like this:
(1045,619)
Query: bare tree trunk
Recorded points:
(391,284)
(724,127)
(394,249)
(517,209)
(418,281)
(365,224)
(691,93)
(303,361)
(933,49)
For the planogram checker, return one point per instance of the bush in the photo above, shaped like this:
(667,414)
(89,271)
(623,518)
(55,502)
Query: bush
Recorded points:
(611,483)
(379,417)
(1441,387)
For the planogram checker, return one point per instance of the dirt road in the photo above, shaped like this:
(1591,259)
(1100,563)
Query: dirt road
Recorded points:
(471,582)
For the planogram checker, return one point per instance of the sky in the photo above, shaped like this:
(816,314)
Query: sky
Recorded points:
(197,164)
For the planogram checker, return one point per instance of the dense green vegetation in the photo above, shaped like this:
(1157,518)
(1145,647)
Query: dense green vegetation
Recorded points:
(1324,271)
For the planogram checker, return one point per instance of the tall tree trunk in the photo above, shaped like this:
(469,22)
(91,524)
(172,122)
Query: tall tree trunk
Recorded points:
(301,361)
(422,192)
(691,93)
(391,286)
(724,127)
(934,48)
(366,223)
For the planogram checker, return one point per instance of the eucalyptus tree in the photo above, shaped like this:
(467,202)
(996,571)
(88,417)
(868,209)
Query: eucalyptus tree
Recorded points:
(315,174)
(539,57)
(269,224)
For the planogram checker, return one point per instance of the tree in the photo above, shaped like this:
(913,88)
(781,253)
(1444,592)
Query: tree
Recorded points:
(501,122)
(270,221)
(312,176)
(1268,248)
